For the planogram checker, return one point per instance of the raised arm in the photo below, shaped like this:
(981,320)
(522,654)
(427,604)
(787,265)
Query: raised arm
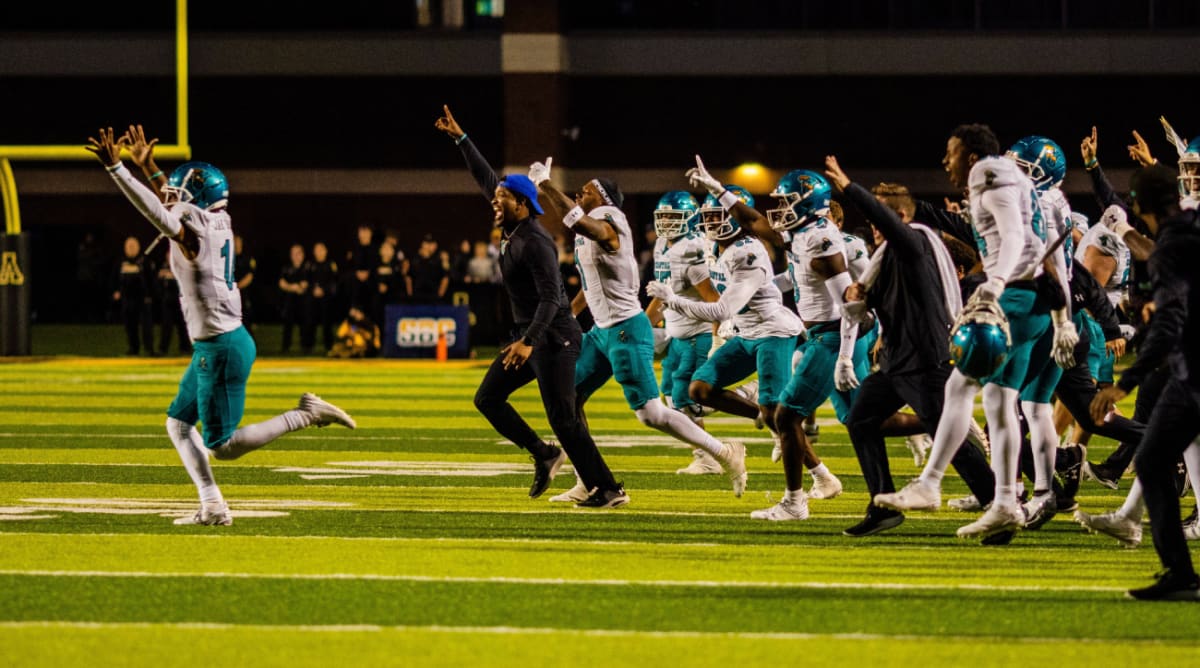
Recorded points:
(900,237)
(483,173)
(600,231)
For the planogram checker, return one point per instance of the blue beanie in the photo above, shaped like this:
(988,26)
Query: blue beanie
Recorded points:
(521,185)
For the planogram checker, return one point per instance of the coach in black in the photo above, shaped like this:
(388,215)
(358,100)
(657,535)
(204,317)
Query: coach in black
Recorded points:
(1174,339)
(546,337)
(909,295)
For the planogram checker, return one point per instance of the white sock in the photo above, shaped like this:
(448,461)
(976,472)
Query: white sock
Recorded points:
(1133,506)
(820,471)
(793,496)
(1000,406)
(254,436)
(194,455)
(1044,442)
(1191,459)
(952,428)
(654,414)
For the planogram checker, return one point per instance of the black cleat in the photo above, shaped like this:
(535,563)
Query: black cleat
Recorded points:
(1169,587)
(1069,464)
(877,520)
(544,471)
(605,498)
(1101,474)
(1041,509)
(1002,538)
(1190,520)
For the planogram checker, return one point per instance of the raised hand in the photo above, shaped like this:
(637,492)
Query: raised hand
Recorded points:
(540,172)
(1113,217)
(1140,151)
(106,148)
(140,150)
(836,176)
(447,123)
(699,177)
(1087,147)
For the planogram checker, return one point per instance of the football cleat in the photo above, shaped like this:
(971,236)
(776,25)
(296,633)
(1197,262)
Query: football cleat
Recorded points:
(995,520)
(919,445)
(966,504)
(1040,509)
(825,487)
(576,494)
(1101,474)
(702,464)
(544,471)
(323,412)
(209,515)
(1169,587)
(916,495)
(1127,531)
(605,498)
(733,460)
(776,447)
(784,511)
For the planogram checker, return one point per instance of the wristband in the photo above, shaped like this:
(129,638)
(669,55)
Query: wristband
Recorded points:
(460,139)
(573,216)
(728,199)
(155,175)
(1091,164)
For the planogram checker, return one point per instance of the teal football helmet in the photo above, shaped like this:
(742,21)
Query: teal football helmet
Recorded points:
(980,340)
(715,221)
(1189,170)
(676,215)
(1041,159)
(198,183)
(804,197)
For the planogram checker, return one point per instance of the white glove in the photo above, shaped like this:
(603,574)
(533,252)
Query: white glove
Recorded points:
(843,374)
(1065,340)
(854,311)
(1113,216)
(699,177)
(661,291)
(540,172)
(726,330)
(1128,332)
(991,290)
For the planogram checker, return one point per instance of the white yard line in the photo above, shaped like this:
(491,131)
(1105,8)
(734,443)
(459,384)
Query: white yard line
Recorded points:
(600,582)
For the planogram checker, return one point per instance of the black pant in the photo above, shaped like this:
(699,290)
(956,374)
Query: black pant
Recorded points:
(323,315)
(879,397)
(1174,424)
(1076,390)
(553,366)
(1148,394)
(139,325)
(173,325)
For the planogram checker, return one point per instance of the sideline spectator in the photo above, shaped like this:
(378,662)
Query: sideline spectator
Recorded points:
(323,273)
(430,278)
(294,306)
(244,266)
(131,291)
(357,336)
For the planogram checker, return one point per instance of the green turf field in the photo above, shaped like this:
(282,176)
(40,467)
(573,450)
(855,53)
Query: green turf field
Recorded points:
(411,541)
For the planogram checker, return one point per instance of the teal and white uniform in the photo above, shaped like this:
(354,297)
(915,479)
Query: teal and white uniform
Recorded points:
(765,330)
(812,379)
(1001,199)
(681,264)
(858,258)
(1055,212)
(1100,360)
(621,344)
(213,389)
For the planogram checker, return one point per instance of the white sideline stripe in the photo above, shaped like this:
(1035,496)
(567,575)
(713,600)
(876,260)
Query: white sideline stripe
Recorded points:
(594,633)
(601,582)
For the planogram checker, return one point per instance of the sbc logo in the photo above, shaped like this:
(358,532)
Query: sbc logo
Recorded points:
(423,332)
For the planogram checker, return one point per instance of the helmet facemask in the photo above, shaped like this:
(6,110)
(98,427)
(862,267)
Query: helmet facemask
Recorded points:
(717,224)
(672,223)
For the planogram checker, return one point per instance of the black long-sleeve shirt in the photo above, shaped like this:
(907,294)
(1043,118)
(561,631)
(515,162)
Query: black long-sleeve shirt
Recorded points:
(1087,293)
(954,224)
(528,260)
(1174,333)
(907,295)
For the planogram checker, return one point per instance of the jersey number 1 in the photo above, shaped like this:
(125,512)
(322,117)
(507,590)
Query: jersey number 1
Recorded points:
(228,265)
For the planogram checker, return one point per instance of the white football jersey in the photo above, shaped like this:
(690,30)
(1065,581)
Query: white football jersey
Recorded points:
(208,293)
(1002,174)
(858,258)
(820,239)
(1104,240)
(1056,212)
(682,265)
(610,280)
(746,262)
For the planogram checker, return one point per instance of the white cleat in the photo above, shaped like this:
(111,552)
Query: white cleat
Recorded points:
(209,515)
(777,448)
(702,464)
(997,519)
(967,504)
(979,438)
(825,487)
(919,446)
(748,391)
(1191,532)
(916,495)
(733,460)
(323,412)
(576,494)
(783,511)
(1114,524)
